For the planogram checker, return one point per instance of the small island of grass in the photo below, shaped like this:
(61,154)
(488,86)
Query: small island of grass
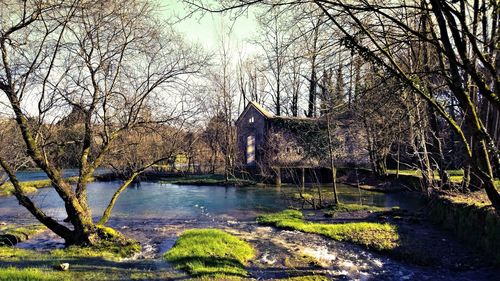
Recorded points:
(376,236)
(210,253)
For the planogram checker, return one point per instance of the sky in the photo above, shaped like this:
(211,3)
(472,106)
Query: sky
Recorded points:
(206,29)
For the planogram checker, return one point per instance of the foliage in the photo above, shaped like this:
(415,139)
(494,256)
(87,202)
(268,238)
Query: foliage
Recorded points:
(210,252)
(376,236)
(310,134)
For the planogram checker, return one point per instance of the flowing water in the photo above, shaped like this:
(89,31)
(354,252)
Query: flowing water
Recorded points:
(156,213)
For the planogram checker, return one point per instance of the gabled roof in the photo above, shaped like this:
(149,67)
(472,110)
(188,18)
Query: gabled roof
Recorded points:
(258,107)
(262,110)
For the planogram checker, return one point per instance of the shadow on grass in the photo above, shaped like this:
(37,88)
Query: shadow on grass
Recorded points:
(96,268)
(199,266)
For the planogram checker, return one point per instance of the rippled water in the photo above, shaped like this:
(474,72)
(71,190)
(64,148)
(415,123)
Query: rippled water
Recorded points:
(149,200)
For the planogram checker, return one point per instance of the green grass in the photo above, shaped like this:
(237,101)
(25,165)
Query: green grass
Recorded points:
(309,278)
(418,173)
(30,274)
(456,176)
(29,186)
(210,253)
(85,264)
(209,179)
(343,208)
(376,236)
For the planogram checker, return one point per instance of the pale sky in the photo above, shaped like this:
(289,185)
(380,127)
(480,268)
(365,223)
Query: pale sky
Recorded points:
(206,29)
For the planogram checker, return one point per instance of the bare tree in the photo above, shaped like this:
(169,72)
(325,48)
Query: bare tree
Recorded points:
(108,59)
(463,35)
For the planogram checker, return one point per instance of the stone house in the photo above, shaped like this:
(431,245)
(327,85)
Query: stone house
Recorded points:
(267,144)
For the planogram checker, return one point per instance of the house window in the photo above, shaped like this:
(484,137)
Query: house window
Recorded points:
(250,149)
(251,120)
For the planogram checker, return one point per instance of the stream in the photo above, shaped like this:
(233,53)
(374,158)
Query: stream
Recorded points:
(155,214)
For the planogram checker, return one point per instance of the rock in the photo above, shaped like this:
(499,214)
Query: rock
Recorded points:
(62,267)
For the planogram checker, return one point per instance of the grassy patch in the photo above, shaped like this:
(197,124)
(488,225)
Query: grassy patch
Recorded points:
(85,264)
(29,186)
(376,236)
(344,208)
(210,253)
(210,179)
(309,278)
(29,274)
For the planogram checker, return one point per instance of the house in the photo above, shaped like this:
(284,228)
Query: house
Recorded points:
(267,144)
(291,148)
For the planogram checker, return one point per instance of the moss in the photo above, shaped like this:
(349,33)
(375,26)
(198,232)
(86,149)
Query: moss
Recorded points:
(29,274)
(475,223)
(304,195)
(13,234)
(376,236)
(210,253)
(301,261)
(113,246)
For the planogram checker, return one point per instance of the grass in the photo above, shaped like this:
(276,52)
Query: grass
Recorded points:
(418,173)
(376,236)
(29,186)
(455,175)
(19,264)
(210,253)
(209,179)
(309,278)
(342,208)
(30,274)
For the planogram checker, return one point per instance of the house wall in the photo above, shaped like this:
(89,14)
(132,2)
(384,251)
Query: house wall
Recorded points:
(246,128)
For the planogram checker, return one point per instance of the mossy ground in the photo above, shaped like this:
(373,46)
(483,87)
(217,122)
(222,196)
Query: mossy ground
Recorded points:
(376,236)
(13,234)
(210,253)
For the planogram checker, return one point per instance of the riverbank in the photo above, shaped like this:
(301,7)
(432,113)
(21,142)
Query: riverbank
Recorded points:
(471,218)
(325,244)
(277,253)
(7,189)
